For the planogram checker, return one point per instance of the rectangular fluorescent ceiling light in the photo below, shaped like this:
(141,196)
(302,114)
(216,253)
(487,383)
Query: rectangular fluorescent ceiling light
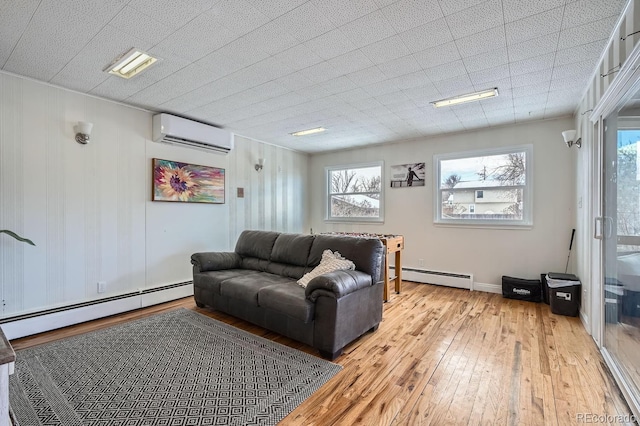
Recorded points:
(476,96)
(308,132)
(131,63)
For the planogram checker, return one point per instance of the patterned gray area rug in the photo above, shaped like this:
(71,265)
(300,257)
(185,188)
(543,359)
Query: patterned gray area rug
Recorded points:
(175,368)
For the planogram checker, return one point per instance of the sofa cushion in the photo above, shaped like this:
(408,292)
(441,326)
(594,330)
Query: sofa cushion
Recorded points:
(212,279)
(288,299)
(291,271)
(292,249)
(256,244)
(246,287)
(366,253)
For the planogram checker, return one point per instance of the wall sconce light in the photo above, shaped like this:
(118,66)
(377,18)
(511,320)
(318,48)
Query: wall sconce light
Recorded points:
(259,164)
(83,132)
(569,137)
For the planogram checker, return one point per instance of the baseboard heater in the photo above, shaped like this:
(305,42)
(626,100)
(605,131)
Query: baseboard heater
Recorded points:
(50,319)
(448,279)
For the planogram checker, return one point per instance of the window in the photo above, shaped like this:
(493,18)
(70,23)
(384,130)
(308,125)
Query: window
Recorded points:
(354,193)
(486,188)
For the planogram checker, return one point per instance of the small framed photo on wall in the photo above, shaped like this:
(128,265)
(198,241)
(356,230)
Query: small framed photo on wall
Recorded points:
(408,175)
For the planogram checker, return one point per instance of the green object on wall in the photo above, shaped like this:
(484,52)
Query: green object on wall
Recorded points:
(16,236)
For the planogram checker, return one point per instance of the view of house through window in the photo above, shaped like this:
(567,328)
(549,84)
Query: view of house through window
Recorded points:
(490,187)
(355,192)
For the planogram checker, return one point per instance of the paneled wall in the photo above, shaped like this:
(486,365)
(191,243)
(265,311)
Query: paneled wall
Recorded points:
(89,210)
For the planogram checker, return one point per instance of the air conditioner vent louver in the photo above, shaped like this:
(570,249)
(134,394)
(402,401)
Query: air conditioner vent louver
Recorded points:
(181,131)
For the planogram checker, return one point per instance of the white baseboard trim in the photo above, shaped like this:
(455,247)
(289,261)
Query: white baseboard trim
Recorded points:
(585,322)
(64,318)
(487,288)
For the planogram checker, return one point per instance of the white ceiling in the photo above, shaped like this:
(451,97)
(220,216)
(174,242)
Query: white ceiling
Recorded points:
(364,69)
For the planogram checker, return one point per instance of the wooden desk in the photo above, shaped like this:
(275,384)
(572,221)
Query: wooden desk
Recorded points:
(394,244)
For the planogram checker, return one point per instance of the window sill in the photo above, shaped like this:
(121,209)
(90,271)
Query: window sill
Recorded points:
(511,227)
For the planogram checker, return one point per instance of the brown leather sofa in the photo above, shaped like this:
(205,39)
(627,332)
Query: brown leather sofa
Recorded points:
(258,283)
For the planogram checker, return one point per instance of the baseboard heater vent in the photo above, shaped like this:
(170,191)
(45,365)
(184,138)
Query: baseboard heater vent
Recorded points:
(50,319)
(449,279)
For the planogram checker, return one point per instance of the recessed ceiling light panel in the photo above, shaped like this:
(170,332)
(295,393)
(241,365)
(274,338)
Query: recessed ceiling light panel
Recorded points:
(308,131)
(470,97)
(131,63)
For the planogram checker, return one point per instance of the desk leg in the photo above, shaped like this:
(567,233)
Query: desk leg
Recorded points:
(398,270)
(386,279)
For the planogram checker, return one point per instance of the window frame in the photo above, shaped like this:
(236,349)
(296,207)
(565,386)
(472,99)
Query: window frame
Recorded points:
(527,196)
(327,194)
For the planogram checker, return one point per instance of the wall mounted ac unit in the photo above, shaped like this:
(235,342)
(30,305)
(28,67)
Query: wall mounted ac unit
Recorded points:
(171,129)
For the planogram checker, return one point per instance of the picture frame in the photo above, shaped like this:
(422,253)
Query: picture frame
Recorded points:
(174,181)
(408,175)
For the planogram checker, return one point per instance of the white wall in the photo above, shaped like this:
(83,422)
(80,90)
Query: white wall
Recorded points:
(89,209)
(486,253)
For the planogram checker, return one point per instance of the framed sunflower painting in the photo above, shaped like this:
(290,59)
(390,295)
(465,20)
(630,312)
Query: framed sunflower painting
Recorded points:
(187,183)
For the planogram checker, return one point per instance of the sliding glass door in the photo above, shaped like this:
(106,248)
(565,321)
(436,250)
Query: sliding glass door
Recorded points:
(620,230)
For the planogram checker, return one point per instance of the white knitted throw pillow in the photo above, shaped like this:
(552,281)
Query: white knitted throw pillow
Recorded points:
(330,262)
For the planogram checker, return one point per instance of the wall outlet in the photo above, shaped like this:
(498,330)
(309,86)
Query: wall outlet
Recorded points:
(102,286)
(420,262)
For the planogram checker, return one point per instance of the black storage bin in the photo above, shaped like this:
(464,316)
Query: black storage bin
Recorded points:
(521,289)
(631,304)
(613,297)
(564,294)
(545,288)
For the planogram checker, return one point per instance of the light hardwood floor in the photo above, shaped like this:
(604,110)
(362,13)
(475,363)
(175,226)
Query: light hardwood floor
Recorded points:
(445,356)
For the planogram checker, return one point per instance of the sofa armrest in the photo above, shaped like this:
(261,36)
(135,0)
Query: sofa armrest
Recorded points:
(337,284)
(214,261)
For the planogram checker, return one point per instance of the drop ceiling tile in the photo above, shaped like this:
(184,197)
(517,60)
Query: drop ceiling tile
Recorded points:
(211,36)
(454,86)
(51,39)
(242,52)
(584,11)
(368,29)
(305,22)
(400,66)
(515,10)
(177,84)
(579,53)
(438,55)
(534,47)
(531,78)
(363,104)
(220,64)
(271,38)
(169,12)
(489,76)
(475,19)
(577,70)
(406,14)
(14,21)
(321,72)
(341,12)
(409,81)
(294,81)
(350,62)
(532,89)
(423,94)
(385,50)
(483,61)
(103,11)
(450,7)
(434,33)
(526,66)
(270,89)
(392,98)
(571,82)
(586,33)
(378,89)
(240,16)
(544,23)
(132,21)
(276,8)
(530,101)
(491,112)
(446,71)
(339,85)
(330,44)
(367,76)
(485,41)
(298,57)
